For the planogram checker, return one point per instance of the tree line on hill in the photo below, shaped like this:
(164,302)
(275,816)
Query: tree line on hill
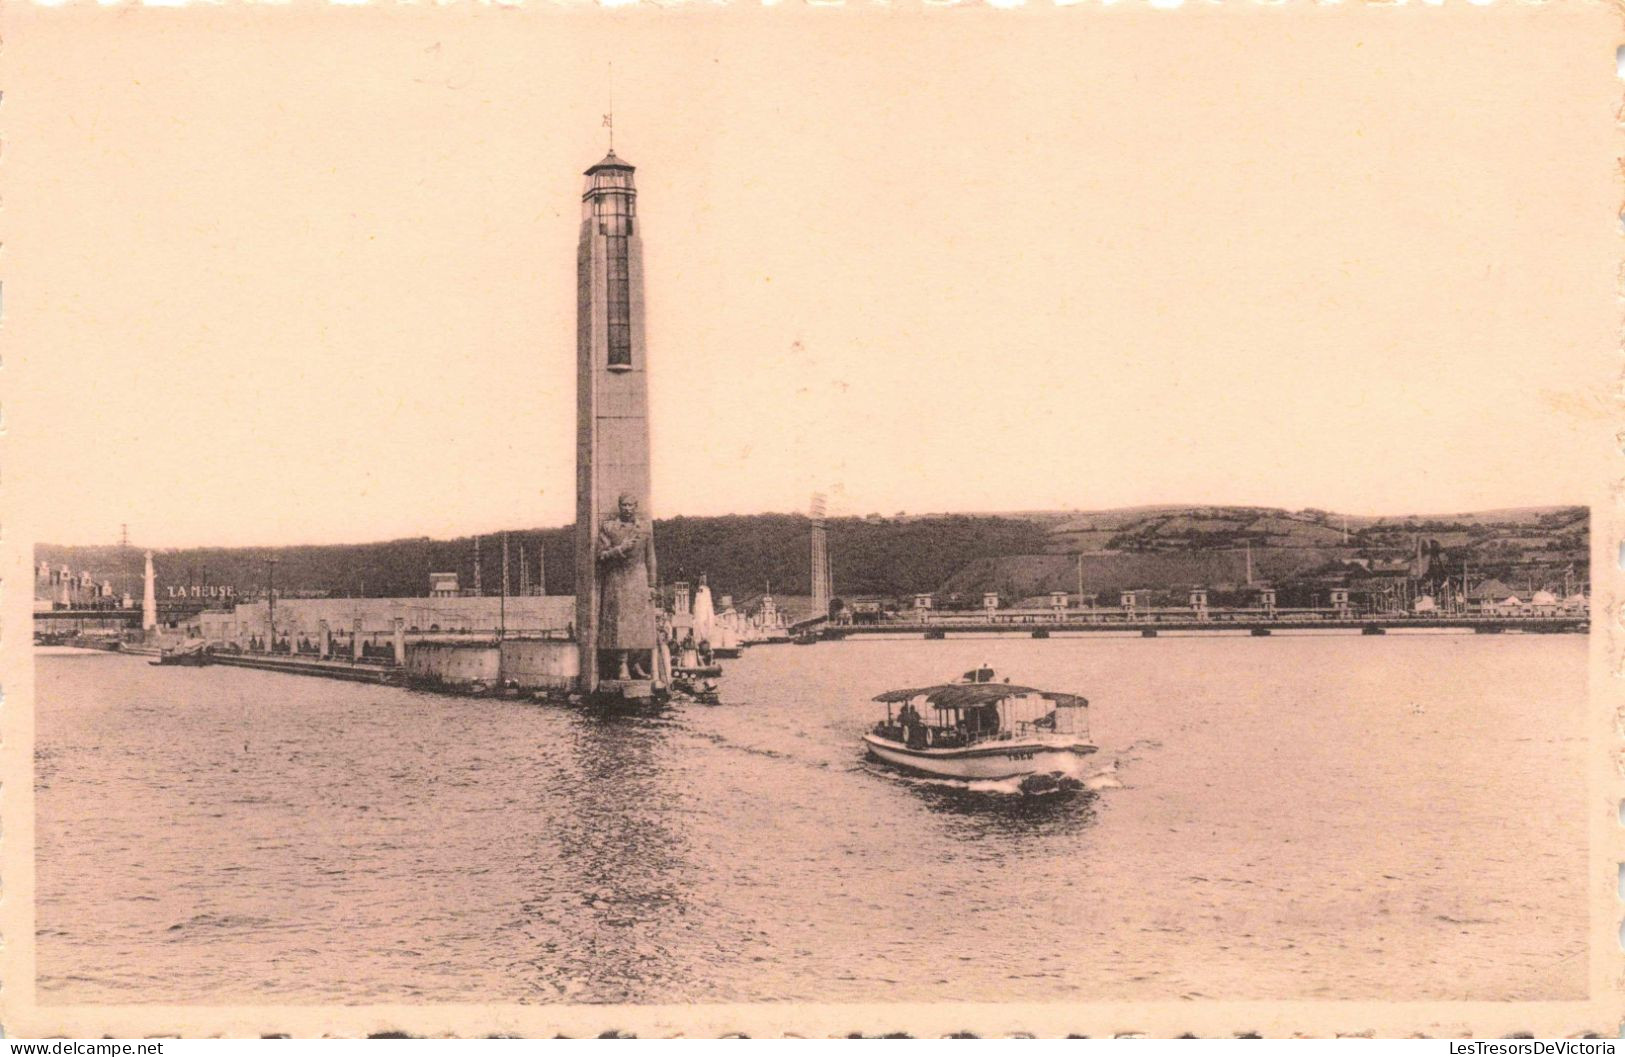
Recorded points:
(872,556)
(740,555)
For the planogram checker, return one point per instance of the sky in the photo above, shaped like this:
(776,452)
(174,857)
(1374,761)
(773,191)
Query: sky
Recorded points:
(282,275)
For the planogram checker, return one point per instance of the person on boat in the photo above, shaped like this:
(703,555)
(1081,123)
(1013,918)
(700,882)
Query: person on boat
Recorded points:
(913,728)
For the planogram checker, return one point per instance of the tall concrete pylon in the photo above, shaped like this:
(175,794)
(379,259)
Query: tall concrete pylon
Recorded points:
(149,597)
(612,396)
(823,587)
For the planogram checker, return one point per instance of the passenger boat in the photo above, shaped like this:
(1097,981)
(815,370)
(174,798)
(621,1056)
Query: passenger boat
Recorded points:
(982,730)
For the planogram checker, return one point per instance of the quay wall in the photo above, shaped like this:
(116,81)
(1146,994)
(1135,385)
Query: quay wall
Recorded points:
(531,664)
(454,663)
(303,616)
(541,664)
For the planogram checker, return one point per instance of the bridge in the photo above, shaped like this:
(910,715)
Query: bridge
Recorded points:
(1251,624)
(169,611)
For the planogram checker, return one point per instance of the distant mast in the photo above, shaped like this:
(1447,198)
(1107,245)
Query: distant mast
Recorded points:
(124,558)
(502,606)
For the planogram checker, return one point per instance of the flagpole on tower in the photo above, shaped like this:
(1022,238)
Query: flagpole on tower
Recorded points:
(609,118)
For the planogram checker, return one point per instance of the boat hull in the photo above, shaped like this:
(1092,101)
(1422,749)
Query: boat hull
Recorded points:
(185,660)
(696,671)
(987,761)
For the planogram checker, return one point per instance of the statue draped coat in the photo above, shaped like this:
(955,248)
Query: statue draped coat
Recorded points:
(626,612)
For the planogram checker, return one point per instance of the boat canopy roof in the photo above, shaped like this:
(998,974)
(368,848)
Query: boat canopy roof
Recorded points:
(967,695)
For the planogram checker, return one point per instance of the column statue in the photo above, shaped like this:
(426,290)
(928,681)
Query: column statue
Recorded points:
(626,612)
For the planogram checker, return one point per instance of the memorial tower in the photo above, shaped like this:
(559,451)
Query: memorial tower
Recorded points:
(614,553)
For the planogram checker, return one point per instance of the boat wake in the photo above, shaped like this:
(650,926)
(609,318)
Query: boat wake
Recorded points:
(1102,776)
(1092,774)
(1104,769)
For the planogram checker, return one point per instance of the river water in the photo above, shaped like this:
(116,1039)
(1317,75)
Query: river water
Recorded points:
(1293,817)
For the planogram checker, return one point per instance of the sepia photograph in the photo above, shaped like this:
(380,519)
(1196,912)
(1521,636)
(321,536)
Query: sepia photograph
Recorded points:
(810,520)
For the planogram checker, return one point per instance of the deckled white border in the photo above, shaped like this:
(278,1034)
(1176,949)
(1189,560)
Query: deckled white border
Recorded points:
(1161,5)
(1212,1019)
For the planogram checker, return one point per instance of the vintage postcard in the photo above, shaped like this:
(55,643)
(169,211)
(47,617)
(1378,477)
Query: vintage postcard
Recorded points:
(811,519)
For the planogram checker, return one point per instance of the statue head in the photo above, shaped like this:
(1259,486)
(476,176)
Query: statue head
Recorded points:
(628,505)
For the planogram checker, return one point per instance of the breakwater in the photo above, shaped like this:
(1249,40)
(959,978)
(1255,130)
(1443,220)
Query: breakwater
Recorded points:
(527,665)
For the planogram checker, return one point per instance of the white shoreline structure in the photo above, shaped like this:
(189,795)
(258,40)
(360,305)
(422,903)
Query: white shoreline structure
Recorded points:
(149,598)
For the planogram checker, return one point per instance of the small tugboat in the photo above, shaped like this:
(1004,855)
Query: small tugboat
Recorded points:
(982,730)
(693,663)
(698,688)
(695,671)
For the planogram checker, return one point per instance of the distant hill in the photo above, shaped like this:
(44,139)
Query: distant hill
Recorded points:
(1018,555)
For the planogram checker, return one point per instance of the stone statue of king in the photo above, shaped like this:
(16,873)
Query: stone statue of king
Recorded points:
(626,612)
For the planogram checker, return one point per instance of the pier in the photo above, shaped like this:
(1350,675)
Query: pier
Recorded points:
(331,669)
